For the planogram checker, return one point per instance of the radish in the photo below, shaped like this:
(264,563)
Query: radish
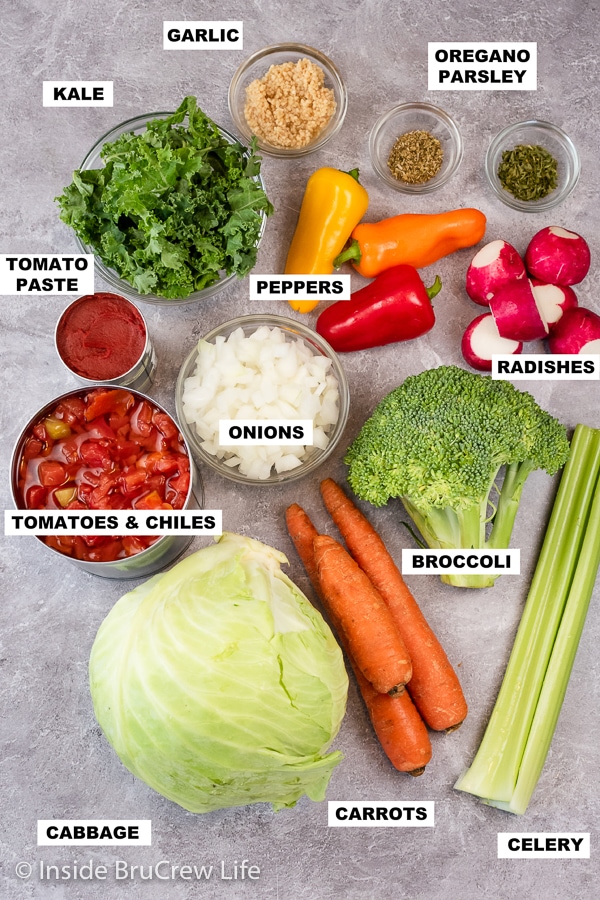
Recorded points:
(558,256)
(578,331)
(481,340)
(516,312)
(553,300)
(495,265)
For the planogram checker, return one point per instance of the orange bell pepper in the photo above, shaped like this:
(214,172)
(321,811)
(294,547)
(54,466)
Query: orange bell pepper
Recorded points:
(334,202)
(411,239)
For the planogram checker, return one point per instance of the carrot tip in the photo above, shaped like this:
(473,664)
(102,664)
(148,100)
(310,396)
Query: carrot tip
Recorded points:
(416,772)
(453,728)
(398,690)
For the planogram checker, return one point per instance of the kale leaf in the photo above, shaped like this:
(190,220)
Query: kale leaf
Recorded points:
(173,208)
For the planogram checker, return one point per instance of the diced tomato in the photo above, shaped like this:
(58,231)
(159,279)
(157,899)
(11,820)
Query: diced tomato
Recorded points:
(32,448)
(184,462)
(40,432)
(141,420)
(76,504)
(150,442)
(107,552)
(61,543)
(94,540)
(70,450)
(84,492)
(132,483)
(133,544)
(101,402)
(52,473)
(165,425)
(96,454)
(156,483)
(119,424)
(153,500)
(101,428)
(124,450)
(161,463)
(72,410)
(181,483)
(36,497)
(107,483)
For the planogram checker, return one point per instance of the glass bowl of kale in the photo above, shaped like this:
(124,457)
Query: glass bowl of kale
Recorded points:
(171,204)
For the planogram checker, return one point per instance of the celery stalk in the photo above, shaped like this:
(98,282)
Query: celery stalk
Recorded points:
(517,737)
(561,663)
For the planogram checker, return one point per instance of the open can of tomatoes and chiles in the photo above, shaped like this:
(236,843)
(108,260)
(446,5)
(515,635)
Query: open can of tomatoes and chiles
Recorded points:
(106,448)
(103,338)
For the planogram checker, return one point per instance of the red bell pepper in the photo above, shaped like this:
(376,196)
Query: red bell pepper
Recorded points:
(396,306)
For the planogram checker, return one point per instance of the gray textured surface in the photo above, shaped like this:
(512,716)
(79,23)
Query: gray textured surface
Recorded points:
(55,762)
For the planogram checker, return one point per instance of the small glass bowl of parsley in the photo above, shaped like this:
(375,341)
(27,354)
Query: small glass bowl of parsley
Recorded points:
(532,166)
(172,206)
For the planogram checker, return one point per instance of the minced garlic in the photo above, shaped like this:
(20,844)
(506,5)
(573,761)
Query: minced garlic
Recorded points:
(289,107)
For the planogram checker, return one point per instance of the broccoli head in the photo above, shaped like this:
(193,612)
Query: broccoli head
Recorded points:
(439,441)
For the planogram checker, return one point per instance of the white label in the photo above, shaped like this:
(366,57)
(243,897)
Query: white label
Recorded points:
(546,367)
(543,845)
(266,433)
(482,66)
(77,93)
(117,521)
(380,814)
(460,562)
(90,832)
(44,273)
(203,35)
(300,287)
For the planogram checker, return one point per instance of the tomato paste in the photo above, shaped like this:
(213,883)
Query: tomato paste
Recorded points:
(106,448)
(101,336)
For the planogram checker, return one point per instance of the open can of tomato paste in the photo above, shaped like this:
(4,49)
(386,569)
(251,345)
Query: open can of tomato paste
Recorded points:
(104,448)
(103,338)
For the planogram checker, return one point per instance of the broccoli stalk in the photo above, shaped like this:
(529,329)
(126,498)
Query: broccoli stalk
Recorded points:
(440,442)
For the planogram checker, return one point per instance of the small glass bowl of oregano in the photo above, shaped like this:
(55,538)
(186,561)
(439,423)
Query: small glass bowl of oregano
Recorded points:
(415,147)
(532,166)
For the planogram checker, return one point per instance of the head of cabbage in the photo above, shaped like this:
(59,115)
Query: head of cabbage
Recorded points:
(219,684)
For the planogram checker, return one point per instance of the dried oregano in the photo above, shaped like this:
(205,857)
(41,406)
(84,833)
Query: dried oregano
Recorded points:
(415,157)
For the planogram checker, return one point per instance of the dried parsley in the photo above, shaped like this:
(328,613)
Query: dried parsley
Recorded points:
(415,157)
(528,172)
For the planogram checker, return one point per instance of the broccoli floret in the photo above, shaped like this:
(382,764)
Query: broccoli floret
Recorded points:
(438,443)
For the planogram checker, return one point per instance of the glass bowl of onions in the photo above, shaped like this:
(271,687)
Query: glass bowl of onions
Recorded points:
(266,381)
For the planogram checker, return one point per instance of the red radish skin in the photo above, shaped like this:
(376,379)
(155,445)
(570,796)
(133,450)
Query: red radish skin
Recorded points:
(578,331)
(553,300)
(495,265)
(481,340)
(516,312)
(558,256)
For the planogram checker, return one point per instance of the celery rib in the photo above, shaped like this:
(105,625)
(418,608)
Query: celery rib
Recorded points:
(518,735)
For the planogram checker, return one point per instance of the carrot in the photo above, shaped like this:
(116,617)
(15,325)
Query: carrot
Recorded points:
(398,726)
(434,687)
(303,533)
(364,618)
(395,720)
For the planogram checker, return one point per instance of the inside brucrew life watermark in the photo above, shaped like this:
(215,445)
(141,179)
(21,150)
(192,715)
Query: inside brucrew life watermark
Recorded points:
(164,870)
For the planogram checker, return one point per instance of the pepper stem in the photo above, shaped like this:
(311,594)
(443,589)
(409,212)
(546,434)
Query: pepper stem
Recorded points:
(354,173)
(435,288)
(352,253)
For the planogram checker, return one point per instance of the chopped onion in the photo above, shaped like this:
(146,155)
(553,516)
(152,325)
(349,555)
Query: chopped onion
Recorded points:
(260,376)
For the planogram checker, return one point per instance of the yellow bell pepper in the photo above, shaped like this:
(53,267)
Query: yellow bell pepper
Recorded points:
(333,205)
